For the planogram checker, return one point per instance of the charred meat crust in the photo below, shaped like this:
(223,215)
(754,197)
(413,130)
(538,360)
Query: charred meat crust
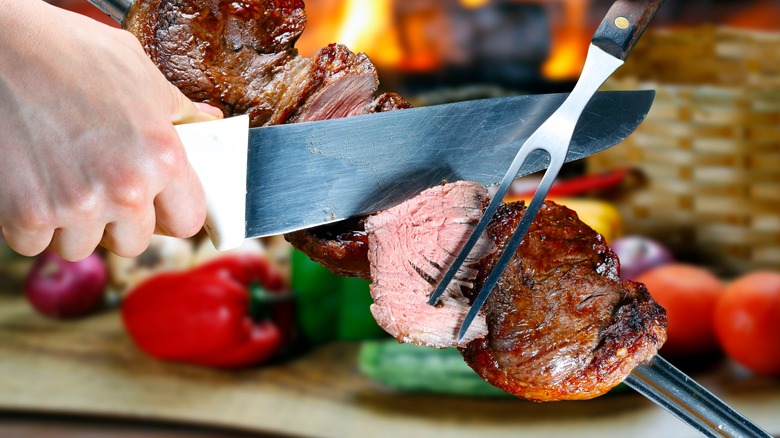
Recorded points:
(341,247)
(228,53)
(562,325)
(239,56)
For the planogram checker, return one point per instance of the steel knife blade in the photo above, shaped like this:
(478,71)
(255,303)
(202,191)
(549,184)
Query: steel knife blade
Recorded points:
(283,178)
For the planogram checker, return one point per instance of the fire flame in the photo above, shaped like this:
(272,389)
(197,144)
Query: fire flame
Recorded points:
(367,27)
(570,43)
(759,16)
(362,25)
(473,4)
(408,44)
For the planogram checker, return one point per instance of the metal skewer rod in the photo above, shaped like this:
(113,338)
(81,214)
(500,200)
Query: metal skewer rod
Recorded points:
(674,391)
(115,9)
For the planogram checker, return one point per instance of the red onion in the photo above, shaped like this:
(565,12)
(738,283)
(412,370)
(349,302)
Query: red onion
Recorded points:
(61,289)
(637,254)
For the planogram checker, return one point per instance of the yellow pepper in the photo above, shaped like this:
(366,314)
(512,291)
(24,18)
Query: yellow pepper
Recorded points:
(602,216)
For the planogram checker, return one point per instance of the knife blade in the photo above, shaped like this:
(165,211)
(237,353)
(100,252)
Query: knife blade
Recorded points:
(278,179)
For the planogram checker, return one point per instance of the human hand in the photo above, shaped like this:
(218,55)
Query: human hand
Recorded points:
(90,155)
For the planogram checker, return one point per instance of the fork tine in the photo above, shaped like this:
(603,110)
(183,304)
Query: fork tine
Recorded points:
(479,229)
(556,162)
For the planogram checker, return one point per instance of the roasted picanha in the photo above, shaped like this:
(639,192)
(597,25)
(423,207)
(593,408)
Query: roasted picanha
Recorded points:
(559,325)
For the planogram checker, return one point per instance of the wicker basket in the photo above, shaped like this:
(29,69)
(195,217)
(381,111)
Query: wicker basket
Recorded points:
(709,148)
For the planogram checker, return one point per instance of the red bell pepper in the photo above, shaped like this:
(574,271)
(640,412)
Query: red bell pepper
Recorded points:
(580,185)
(231,312)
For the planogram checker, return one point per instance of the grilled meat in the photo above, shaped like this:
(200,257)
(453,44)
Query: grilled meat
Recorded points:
(409,244)
(239,56)
(559,325)
(341,247)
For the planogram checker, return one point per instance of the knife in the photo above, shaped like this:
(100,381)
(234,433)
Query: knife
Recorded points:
(278,179)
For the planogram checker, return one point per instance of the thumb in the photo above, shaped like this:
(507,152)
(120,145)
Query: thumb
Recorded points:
(186,111)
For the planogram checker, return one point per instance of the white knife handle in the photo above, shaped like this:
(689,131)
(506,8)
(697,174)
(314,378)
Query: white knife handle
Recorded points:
(217,151)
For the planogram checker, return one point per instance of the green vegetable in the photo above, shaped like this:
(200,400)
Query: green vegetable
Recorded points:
(356,322)
(407,367)
(315,291)
(331,307)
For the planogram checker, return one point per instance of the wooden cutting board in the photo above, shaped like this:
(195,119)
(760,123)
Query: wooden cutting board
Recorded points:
(90,367)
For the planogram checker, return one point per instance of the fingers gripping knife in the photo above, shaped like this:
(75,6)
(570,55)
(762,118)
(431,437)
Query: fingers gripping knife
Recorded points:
(613,41)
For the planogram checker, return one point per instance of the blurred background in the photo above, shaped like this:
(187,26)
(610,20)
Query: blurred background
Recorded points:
(699,182)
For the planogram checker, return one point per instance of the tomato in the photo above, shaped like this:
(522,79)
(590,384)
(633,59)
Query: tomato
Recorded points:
(689,295)
(747,321)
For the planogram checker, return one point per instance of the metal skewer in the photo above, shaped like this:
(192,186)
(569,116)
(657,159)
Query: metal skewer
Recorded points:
(681,396)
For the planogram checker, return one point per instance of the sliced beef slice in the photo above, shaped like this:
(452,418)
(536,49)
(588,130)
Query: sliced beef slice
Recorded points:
(561,324)
(408,247)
